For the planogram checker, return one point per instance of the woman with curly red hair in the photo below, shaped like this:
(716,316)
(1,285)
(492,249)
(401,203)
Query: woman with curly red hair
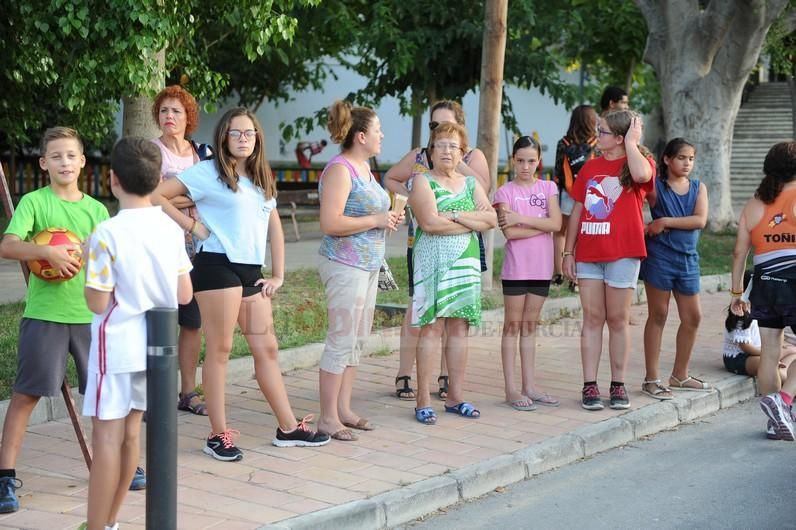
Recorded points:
(177,115)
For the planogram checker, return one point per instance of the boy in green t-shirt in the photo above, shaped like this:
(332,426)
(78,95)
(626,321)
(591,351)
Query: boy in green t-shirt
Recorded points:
(56,320)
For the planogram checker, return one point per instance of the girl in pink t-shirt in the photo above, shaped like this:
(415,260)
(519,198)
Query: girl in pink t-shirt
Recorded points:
(529,215)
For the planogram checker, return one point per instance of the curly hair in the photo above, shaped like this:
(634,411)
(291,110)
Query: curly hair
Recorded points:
(184,97)
(779,168)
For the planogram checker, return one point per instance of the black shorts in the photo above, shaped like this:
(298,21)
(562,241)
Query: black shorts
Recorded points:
(737,364)
(41,356)
(523,287)
(212,270)
(188,315)
(410,271)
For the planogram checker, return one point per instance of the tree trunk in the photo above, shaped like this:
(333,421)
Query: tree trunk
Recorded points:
(137,113)
(417,119)
(702,58)
(492,59)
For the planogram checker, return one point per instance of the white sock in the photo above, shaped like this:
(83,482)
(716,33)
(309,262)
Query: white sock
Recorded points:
(114,527)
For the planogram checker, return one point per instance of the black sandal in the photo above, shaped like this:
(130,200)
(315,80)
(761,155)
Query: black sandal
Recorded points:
(443,387)
(406,393)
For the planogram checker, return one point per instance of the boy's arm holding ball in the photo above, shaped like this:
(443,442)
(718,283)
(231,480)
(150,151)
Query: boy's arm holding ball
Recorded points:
(60,256)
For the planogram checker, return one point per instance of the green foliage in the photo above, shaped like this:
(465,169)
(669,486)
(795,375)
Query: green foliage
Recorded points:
(70,62)
(607,38)
(419,52)
(780,45)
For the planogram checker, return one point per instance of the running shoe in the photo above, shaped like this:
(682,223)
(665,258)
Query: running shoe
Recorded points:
(8,494)
(619,399)
(139,480)
(301,436)
(221,447)
(591,398)
(780,414)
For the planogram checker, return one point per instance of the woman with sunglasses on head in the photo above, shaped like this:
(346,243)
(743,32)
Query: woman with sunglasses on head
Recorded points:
(447,272)
(398,180)
(605,245)
(235,195)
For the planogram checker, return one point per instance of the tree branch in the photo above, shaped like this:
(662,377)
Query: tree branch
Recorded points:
(750,23)
(656,38)
(712,25)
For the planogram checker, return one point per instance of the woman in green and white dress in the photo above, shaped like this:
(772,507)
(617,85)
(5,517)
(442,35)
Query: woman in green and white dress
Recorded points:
(450,208)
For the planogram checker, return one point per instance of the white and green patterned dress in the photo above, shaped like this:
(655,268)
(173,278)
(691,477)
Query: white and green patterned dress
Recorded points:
(447,275)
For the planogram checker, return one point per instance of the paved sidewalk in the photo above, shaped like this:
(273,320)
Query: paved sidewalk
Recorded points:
(403,469)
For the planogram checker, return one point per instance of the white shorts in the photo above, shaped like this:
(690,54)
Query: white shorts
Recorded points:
(113,396)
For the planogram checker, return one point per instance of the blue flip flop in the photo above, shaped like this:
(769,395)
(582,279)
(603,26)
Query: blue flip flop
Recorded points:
(426,416)
(464,409)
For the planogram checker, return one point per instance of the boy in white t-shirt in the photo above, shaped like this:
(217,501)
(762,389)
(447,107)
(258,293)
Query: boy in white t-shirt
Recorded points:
(136,261)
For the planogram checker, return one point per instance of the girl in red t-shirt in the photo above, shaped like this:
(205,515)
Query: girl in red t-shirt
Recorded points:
(607,225)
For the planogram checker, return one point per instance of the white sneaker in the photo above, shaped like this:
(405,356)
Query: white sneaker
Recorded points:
(780,415)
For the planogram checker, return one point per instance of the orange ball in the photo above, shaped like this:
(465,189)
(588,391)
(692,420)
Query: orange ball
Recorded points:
(41,268)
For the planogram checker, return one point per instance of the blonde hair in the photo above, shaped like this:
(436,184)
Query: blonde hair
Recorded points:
(345,121)
(618,121)
(58,133)
(257,166)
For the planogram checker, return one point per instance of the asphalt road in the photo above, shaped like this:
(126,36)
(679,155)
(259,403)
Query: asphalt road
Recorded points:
(720,472)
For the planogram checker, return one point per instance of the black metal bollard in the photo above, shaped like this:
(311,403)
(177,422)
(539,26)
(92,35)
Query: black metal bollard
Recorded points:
(161,429)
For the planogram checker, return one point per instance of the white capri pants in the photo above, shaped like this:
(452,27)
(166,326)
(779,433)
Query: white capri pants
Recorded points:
(350,303)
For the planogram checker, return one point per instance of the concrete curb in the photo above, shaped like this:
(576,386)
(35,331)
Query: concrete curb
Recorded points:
(397,507)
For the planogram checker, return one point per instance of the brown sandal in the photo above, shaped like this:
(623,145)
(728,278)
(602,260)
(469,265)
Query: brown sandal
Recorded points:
(344,435)
(185,404)
(689,383)
(655,389)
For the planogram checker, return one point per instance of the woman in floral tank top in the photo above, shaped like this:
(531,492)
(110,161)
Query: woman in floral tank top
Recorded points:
(355,214)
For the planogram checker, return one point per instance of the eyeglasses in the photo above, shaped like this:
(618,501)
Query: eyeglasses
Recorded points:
(445,146)
(433,125)
(235,134)
(601,131)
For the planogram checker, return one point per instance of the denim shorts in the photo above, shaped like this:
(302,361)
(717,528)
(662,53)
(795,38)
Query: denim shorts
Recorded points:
(620,274)
(567,202)
(672,271)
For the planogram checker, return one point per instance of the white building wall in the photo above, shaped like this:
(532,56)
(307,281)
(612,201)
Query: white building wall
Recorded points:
(535,113)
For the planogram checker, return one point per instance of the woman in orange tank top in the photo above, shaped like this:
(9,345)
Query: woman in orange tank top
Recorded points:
(768,223)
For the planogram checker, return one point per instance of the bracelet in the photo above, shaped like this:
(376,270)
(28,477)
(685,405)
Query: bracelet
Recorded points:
(193,225)
(567,253)
(735,293)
